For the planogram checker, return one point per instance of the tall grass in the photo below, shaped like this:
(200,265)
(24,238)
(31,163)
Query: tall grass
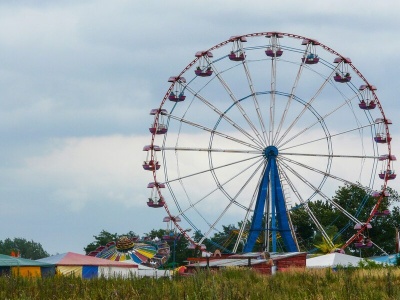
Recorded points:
(227,284)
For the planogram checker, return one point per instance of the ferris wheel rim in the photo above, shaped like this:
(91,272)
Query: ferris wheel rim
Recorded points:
(156,119)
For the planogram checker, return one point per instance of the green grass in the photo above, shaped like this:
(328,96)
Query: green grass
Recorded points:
(383,283)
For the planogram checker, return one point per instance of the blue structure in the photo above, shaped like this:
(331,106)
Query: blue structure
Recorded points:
(270,193)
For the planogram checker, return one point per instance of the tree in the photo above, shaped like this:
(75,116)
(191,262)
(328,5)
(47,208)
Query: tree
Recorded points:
(104,238)
(26,249)
(358,203)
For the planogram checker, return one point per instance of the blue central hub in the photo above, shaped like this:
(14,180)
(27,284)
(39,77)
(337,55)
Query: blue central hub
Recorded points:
(270,151)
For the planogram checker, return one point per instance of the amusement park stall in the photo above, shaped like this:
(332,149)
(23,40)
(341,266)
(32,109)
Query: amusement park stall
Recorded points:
(89,267)
(24,267)
(254,260)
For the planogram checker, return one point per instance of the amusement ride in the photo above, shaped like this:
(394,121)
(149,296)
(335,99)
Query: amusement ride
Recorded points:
(259,125)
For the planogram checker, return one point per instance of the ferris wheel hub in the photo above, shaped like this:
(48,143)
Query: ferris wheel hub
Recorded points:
(270,151)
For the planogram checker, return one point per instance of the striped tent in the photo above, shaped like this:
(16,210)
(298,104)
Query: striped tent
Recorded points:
(90,267)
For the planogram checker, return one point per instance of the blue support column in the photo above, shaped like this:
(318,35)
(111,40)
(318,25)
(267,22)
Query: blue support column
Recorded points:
(279,217)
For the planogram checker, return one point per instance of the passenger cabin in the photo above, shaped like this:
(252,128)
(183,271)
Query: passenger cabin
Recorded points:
(379,194)
(342,75)
(156,202)
(366,243)
(382,139)
(310,56)
(367,105)
(176,98)
(382,213)
(236,56)
(274,48)
(342,78)
(387,174)
(358,226)
(158,127)
(151,164)
(171,233)
(237,53)
(203,72)
(274,53)
(381,136)
(203,69)
(177,95)
(368,102)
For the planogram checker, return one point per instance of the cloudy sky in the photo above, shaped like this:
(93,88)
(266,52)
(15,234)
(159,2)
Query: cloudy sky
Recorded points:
(78,78)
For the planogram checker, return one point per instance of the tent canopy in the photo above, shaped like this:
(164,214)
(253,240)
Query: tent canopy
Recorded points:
(75,259)
(332,260)
(9,261)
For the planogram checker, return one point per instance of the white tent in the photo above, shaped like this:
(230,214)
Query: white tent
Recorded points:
(333,260)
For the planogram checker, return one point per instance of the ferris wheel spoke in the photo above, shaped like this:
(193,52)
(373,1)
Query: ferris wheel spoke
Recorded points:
(258,152)
(231,201)
(214,132)
(224,116)
(329,155)
(319,192)
(210,169)
(247,215)
(290,99)
(272,100)
(306,207)
(330,136)
(255,101)
(308,104)
(325,173)
(193,204)
(237,103)
(346,102)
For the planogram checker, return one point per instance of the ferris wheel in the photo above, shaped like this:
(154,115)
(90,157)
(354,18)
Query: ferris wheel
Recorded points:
(259,125)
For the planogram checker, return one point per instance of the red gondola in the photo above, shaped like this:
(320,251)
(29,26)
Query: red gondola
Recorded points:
(203,73)
(274,48)
(151,165)
(380,139)
(310,57)
(358,226)
(237,53)
(342,74)
(160,129)
(176,98)
(269,52)
(342,79)
(154,203)
(368,100)
(364,105)
(378,194)
(388,175)
(236,56)
(382,213)
(362,245)
(177,94)
(203,69)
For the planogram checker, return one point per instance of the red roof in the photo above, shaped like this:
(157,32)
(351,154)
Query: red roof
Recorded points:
(75,259)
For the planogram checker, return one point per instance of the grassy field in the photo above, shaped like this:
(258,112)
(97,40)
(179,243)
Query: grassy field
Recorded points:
(383,283)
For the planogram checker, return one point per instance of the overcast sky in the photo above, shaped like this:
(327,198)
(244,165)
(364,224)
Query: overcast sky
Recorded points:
(78,78)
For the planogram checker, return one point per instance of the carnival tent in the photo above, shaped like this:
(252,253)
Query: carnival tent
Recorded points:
(25,267)
(333,260)
(90,267)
